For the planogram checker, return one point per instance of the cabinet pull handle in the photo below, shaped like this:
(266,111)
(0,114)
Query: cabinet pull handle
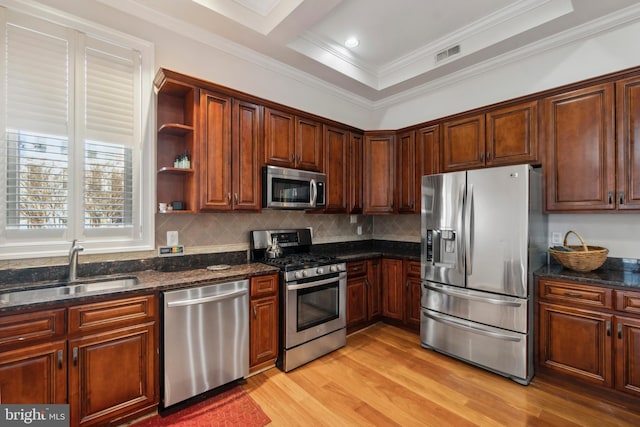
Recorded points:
(572,295)
(366,282)
(406,285)
(610,197)
(622,197)
(293,157)
(59,359)
(488,155)
(229,198)
(255,312)
(75,356)
(619,331)
(236,197)
(482,156)
(608,328)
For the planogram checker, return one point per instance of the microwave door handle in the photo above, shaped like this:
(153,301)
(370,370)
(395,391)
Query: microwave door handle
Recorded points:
(314,193)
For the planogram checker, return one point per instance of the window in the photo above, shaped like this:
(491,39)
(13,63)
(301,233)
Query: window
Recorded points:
(75,115)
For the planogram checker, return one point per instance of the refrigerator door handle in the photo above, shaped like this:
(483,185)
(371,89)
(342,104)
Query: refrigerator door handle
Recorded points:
(460,245)
(468,232)
(466,295)
(472,329)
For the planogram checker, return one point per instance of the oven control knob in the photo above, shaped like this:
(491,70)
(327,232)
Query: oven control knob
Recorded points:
(304,273)
(334,268)
(320,271)
(298,274)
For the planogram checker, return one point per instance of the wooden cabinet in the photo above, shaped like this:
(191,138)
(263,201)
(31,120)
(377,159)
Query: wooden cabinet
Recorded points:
(356,175)
(628,134)
(590,333)
(379,173)
(263,325)
(176,120)
(357,301)
(49,360)
(230,153)
(579,139)
(500,137)
(336,166)
(412,294)
(407,161)
(292,141)
(33,356)
(463,144)
(393,287)
(363,293)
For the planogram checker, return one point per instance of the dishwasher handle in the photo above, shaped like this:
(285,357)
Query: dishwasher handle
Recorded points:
(212,298)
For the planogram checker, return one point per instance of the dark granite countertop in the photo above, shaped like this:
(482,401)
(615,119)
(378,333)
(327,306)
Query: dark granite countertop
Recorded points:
(616,272)
(148,281)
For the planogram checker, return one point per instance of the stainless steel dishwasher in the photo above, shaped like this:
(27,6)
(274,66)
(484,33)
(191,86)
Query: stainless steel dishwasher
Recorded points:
(206,339)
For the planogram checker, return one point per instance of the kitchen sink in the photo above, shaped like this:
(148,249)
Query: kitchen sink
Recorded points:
(59,290)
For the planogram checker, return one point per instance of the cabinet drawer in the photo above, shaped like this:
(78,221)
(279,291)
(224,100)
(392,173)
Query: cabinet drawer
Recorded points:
(111,314)
(627,301)
(413,268)
(264,285)
(29,327)
(585,295)
(356,268)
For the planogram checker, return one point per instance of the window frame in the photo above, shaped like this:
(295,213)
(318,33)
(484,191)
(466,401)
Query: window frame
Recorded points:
(50,243)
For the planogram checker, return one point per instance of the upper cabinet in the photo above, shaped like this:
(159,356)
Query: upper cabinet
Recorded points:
(356,176)
(379,171)
(499,137)
(177,104)
(579,139)
(292,141)
(336,166)
(628,125)
(230,153)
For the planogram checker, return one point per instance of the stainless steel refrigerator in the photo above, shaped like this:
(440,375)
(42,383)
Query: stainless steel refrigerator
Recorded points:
(483,234)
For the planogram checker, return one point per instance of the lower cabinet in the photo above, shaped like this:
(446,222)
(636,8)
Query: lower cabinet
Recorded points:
(590,333)
(101,358)
(363,293)
(263,324)
(401,292)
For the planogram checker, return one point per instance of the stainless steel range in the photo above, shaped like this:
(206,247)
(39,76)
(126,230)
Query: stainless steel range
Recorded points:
(313,290)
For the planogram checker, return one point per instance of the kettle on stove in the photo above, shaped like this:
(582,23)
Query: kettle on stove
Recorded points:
(274,250)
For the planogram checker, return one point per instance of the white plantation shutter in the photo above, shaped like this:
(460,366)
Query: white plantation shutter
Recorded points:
(73,107)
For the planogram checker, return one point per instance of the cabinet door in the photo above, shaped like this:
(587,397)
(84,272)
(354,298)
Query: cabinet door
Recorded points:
(406,172)
(356,301)
(215,152)
(392,289)
(576,342)
(627,349)
(263,348)
(375,288)
(247,155)
(112,374)
(412,293)
(512,135)
(628,118)
(336,145)
(427,152)
(379,170)
(279,138)
(356,183)
(34,374)
(308,148)
(463,143)
(580,149)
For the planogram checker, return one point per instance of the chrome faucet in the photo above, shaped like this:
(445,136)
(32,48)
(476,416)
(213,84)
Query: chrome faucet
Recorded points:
(73,260)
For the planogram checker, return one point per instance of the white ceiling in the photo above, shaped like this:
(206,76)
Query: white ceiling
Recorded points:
(399,39)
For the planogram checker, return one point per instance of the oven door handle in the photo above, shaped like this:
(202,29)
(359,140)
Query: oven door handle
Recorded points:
(294,287)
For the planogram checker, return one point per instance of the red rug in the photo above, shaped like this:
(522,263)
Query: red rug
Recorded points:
(233,407)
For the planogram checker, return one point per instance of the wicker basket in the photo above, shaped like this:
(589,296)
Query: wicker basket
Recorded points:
(584,258)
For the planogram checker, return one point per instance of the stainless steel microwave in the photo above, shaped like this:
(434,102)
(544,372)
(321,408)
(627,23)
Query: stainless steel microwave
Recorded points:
(284,188)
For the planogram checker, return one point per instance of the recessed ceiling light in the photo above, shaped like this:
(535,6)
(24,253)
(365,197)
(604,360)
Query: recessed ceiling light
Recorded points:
(351,42)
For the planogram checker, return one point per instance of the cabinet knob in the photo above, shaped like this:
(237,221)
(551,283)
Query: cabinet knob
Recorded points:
(610,197)
(255,312)
(236,197)
(75,356)
(481,156)
(60,359)
(622,197)
(619,331)
(488,155)
(229,198)
(608,328)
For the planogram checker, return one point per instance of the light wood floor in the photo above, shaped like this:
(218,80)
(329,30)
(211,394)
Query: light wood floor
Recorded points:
(384,378)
